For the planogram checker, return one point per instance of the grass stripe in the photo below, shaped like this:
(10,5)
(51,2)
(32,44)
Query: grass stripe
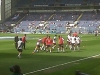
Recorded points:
(63,64)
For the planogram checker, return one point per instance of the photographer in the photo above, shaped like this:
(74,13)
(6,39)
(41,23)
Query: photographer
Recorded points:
(16,70)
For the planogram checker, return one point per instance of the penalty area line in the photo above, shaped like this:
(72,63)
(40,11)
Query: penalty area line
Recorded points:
(62,64)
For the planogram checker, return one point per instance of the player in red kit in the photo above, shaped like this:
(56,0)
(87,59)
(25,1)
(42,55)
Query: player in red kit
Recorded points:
(49,43)
(44,42)
(60,44)
(75,34)
(24,41)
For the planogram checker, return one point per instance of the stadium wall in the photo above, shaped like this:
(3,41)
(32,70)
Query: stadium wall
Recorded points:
(2,11)
(13,9)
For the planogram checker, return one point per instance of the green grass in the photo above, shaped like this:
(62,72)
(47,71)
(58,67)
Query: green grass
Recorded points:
(29,62)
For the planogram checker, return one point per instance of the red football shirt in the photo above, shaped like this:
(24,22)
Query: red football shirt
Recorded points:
(44,40)
(60,40)
(49,41)
(75,34)
(23,39)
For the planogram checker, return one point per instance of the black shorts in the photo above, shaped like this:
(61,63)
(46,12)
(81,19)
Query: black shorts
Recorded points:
(38,46)
(20,50)
(44,44)
(48,45)
(60,45)
(78,44)
(68,43)
(73,44)
(54,43)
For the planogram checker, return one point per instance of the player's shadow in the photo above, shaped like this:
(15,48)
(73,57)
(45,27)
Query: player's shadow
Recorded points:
(62,52)
(68,51)
(82,49)
(78,51)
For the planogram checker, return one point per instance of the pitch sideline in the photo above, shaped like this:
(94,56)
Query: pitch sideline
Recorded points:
(62,64)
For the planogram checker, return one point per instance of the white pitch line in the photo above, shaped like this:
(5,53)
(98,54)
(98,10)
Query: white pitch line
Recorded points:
(62,64)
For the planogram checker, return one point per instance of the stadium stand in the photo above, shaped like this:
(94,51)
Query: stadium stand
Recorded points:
(58,22)
(55,22)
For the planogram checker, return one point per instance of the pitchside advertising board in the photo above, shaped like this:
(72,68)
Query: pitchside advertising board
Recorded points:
(77,4)
(38,5)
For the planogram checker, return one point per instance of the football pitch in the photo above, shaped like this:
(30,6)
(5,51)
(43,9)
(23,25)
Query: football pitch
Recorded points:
(87,59)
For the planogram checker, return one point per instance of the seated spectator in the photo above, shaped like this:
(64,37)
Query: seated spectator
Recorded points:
(16,70)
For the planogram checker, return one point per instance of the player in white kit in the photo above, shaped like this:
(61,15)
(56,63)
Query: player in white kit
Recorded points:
(54,41)
(20,47)
(38,47)
(73,41)
(78,42)
(68,41)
